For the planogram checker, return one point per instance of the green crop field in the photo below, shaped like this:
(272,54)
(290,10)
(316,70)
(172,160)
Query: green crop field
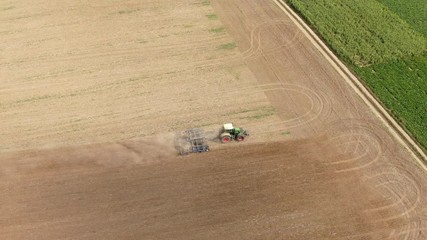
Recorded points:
(414,12)
(385,43)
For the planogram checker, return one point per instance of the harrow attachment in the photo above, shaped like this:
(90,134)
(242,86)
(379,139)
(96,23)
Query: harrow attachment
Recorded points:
(192,141)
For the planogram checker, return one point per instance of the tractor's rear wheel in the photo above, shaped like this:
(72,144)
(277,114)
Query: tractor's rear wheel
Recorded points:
(225,138)
(240,138)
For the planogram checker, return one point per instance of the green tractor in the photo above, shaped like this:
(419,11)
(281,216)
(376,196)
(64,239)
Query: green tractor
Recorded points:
(230,133)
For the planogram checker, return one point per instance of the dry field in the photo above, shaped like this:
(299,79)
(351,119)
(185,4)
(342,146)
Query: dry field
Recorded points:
(79,73)
(92,91)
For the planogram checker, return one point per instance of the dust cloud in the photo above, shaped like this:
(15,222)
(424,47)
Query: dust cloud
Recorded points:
(151,150)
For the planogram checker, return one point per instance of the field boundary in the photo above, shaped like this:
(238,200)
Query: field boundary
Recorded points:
(398,132)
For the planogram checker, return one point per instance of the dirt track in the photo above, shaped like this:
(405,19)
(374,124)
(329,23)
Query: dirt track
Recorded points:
(338,175)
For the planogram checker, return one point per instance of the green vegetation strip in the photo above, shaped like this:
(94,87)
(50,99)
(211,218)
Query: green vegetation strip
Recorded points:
(385,43)
(227,46)
(212,16)
(217,30)
(205,2)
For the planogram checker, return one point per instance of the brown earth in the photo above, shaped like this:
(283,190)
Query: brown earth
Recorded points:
(264,191)
(319,164)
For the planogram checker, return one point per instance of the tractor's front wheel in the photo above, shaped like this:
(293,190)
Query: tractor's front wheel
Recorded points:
(240,138)
(225,138)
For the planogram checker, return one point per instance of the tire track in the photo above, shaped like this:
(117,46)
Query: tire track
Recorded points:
(359,142)
(257,49)
(400,188)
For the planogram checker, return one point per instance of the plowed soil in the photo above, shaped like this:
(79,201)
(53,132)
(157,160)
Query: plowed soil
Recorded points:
(319,163)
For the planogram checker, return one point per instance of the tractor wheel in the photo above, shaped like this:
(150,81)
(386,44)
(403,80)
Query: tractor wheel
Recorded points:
(225,137)
(240,138)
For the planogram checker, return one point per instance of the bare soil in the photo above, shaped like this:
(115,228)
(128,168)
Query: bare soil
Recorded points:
(318,165)
(262,191)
